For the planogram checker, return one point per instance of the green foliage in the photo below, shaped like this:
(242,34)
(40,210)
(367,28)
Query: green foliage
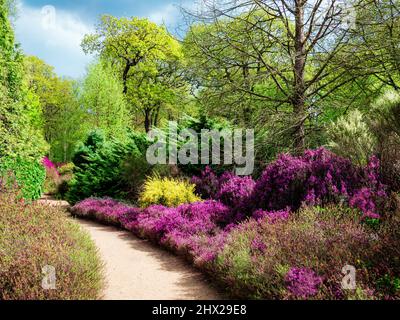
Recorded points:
(33,236)
(351,138)
(27,176)
(102,167)
(52,181)
(20,135)
(104,102)
(148,61)
(197,123)
(374,41)
(66,169)
(386,113)
(135,167)
(66,172)
(167,192)
(62,118)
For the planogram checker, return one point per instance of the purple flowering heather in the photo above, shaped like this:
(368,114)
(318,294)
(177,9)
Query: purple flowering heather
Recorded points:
(236,191)
(207,184)
(272,216)
(48,163)
(195,228)
(318,177)
(364,201)
(105,210)
(258,245)
(303,282)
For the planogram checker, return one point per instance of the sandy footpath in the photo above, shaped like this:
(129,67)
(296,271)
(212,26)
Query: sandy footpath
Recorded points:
(137,269)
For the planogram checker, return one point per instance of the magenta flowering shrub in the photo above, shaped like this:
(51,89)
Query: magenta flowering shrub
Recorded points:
(303,282)
(104,210)
(236,191)
(258,245)
(207,184)
(48,164)
(364,200)
(233,191)
(319,177)
(272,216)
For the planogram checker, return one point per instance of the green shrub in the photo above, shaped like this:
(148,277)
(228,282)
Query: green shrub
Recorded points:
(28,176)
(66,169)
(107,168)
(351,138)
(167,192)
(386,112)
(66,173)
(197,125)
(35,236)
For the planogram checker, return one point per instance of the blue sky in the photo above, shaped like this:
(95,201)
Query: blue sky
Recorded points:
(56,38)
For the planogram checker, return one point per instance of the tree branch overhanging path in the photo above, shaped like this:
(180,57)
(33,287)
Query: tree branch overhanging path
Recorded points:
(134,269)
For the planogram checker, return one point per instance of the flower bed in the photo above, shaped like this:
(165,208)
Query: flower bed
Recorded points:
(286,236)
(273,256)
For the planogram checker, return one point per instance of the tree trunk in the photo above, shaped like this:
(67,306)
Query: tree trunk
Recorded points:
(299,107)
(147,120)
(125,77)
(156,115)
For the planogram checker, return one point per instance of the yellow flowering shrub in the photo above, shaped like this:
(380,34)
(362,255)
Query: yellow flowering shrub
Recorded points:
(167,192)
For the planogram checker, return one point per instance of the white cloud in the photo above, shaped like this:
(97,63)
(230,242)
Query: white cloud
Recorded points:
(54,37)
(168,14)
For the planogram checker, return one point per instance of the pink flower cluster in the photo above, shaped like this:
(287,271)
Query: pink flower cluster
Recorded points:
(319,177)
(303,282)
(272,216)
(49,165)
(104,210)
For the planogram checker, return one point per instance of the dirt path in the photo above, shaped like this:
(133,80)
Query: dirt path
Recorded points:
(136,269)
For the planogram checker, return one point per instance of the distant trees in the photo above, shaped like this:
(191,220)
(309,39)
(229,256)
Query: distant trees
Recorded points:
(375,40)
(147,61)
(103,101)
(63,120)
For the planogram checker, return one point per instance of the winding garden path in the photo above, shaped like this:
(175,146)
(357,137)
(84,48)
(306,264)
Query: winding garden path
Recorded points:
(136,269)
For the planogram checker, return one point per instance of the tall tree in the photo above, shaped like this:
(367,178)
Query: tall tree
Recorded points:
(63,119)
(293,46)
(102,98)
(20,135)
(142,54)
